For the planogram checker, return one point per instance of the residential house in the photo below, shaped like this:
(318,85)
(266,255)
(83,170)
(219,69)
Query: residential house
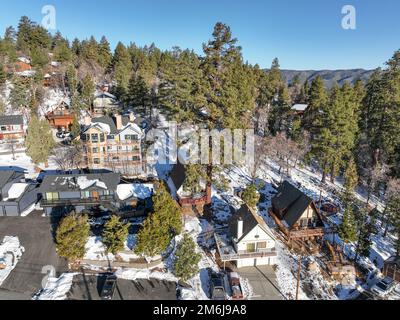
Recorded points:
(61,194)
(249,242)
(113,143)
(190,203)
(105,102)
(391,268)
(12,129)
(299,109)
(135,199)
(296,214)
(16,194)
(61,117)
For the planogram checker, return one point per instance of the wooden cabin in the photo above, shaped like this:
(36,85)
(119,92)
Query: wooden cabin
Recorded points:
(296,214)
(61,117)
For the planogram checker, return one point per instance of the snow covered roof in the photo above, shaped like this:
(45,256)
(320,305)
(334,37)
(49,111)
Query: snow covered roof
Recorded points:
(103,127)
(135,190)
(24,60)
(16,191)
(74,182)
(299,107)
(133,126)
(105,94)
(27,73)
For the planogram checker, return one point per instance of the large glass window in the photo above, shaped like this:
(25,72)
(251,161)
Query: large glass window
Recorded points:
(96,161)
(3,128)
(133,137)
(102,137)
(95,150)
(261,245)
(52,196)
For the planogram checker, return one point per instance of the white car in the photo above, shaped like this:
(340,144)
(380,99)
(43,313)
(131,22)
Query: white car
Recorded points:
(384,287)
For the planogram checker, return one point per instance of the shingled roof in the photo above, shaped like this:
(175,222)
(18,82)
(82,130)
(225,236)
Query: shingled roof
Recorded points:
(291,203)
(250,221)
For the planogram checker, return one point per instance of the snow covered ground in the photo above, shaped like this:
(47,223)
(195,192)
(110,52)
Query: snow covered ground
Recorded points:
(10,253)
(56,288)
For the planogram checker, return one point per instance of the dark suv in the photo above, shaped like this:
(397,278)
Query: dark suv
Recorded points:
(107,293)
(217,286)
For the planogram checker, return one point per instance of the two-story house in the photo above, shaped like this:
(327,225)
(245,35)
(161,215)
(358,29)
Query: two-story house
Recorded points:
(16,195)
(61,117)
(114,143)
(12,129)
(61,194)
(249,242)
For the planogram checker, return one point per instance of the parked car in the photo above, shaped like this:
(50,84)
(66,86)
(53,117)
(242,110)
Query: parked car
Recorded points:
(384,287)
(217,286)
(236,288)
(107,293)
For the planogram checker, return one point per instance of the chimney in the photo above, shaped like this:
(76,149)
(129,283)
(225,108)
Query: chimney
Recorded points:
(88,121)
(118,120)
(239,228)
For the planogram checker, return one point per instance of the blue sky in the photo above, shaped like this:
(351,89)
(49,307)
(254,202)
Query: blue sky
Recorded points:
(303,34)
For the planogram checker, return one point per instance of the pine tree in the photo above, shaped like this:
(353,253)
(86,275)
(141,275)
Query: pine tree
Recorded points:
(350,179)
(348,228)
(181,85)
(87,89)
(195,175)
(229,83)
(75,127)
(20,94)
(364,241)
(115,234)
(104,53)
(161,226)
(122,66)
(186,259)
(250,196)
(138,94)
(3,75)
(71,237)
(39,140)
(62,52)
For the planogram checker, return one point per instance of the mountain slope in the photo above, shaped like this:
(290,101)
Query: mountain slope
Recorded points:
(329,76)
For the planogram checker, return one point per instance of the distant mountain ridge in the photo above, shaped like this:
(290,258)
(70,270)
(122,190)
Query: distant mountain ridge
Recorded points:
(329,76)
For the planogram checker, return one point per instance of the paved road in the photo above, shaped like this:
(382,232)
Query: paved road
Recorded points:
(263,281)
(88,287)
(34,233)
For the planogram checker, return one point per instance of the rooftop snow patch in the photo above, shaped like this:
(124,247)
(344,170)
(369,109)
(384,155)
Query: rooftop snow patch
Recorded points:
(84,183)
(137,190)
(16,190)
(10,252)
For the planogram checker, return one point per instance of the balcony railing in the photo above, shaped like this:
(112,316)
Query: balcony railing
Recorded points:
(261,253)
(76,201)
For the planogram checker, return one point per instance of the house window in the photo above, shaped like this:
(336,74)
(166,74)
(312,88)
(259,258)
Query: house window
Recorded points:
(85,194)
(133,137)
(102,137)
(135,158)
(95,137)
(96,161)
(261,245)
(251,247)
(3,128)
(95,150)
(52,196)
(110,137)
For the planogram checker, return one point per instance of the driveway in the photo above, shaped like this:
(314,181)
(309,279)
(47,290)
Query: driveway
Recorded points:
(263,281)
(88,287)
(34,233)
